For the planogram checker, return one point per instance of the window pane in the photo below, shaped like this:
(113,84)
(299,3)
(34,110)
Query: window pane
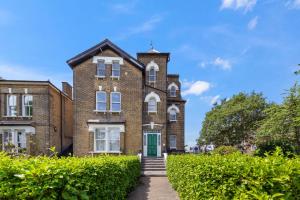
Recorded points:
(21,140)
(116,97)
(12,100)
(101,106)
(172,141)
(101,68)
(114,134)
(100,145)
(116,107)
(152,105)
(114,145)
(101,97)
(100,134)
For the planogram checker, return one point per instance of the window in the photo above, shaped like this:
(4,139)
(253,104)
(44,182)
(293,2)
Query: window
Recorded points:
(115,69)
(152,75)
(107,139)
(115,101)
(173,91)
(172,141)
(101,68)
(27,105)
(172,115)
(11,139)
(12,105)
(100,101)
(152,105)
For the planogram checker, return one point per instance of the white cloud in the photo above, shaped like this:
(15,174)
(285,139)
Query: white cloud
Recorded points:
(222,63)
(246,5)
(16,72)
(197,88)
(124,8)
(252,23)
(214,99)
(293,4)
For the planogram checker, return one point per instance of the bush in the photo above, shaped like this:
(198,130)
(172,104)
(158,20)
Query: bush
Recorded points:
(224,150)
(269,147)
(105,177)
(234,176)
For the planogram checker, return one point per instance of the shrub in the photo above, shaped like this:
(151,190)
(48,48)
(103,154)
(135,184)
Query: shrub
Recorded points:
(234,176)
(105,177)
(269,147)
(224,150)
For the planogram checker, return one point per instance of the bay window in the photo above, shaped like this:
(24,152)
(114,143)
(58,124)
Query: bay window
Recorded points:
(107,139)
(11,140)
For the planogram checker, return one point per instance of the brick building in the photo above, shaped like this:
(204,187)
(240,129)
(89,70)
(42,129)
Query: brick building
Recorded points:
(125,105)
(35,116)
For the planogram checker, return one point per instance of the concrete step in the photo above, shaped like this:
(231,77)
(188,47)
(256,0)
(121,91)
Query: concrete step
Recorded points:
(153,161)
(154,166)
(154,173)
(154,169)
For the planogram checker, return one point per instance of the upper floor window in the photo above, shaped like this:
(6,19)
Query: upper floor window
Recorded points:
(27,105)
(101,101)
(173,115)
(115,102)
(152,75)
(101,68)
(107,139)
(115,72)
(152,105)
(172,141)
(173,91)
(12,105)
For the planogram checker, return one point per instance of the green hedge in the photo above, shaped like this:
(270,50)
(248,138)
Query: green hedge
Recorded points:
(105,177)
(234,176)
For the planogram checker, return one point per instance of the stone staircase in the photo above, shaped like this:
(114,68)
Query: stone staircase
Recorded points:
(153,167)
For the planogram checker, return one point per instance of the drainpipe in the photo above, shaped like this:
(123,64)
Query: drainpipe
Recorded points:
(61,123)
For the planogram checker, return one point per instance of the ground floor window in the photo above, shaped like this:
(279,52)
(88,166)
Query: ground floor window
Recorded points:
(12,140)
(107,139)
(172,140)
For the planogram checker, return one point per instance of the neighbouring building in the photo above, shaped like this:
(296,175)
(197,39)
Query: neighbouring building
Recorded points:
(125,105)
(35,116)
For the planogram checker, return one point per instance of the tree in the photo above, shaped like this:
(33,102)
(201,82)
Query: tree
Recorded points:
(234,121)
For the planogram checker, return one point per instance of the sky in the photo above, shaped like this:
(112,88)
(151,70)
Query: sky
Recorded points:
(219,47)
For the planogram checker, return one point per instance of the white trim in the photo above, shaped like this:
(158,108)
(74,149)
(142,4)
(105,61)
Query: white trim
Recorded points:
(92,127)
(173,107)
(173,84)
(158,143)
(108,60)
(106,139)
(27,129)
(151,65)
(150,95)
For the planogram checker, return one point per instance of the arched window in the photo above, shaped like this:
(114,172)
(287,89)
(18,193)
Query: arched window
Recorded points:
(173,91)
(152,75)
(173,115)
(152,105)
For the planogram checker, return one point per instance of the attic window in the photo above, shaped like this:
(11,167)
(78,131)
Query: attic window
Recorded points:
(101,68)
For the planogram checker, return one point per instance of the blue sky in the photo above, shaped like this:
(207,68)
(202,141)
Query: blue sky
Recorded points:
(219,47)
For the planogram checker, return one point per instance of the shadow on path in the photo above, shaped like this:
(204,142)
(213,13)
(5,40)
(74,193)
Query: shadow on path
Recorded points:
(153,188)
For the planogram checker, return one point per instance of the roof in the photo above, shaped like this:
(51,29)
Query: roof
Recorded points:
(97,49)
(154,54)
(173,75)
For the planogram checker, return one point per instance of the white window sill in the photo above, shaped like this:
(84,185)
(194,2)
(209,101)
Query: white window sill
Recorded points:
(112,111)
(173,96)
(115,77)
(100,111)
(105,152)
(173,120)
(173,148)
(19,116)
(152,112)
(100,77)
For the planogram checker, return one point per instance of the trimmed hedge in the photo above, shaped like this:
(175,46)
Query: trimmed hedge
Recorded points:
(104,177)
(234,176)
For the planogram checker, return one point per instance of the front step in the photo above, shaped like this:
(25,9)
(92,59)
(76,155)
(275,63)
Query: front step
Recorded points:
(153,167)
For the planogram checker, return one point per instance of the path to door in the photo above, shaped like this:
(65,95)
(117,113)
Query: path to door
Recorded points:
(153,188)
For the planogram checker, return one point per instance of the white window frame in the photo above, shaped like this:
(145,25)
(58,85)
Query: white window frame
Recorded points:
(114,69)
(154,100)
(111,102)
(8,108)
(105,102)
(174,113)
(173,91)
(152,75)
(99,70)
(24,105)
(175,142)
(13,139)
(107,140)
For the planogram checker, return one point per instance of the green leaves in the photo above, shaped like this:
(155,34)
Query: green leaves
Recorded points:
(234,176)
(103,177)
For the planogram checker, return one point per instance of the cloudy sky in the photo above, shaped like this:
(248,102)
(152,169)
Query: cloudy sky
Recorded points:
(219,47)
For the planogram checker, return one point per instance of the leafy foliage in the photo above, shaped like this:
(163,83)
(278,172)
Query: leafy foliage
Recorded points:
(104,177)
(270,146)
(234,121)
(234,176)
(224,150)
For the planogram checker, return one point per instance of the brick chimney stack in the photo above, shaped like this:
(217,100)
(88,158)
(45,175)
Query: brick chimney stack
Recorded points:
(67,89)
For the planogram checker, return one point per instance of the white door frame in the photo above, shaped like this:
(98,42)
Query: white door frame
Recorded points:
(145,142)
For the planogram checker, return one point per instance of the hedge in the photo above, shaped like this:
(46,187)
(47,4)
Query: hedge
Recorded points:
(105,177)
(234,176)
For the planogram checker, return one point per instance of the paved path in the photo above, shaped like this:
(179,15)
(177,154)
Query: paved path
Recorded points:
(153,188)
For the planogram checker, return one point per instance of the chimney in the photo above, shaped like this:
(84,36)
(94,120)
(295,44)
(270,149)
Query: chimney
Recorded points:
(67,89)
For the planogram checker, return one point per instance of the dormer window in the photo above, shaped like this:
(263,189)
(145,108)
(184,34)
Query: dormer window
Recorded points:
(115,72)
(101,68)
(173,91)
(152,75)
(173,115)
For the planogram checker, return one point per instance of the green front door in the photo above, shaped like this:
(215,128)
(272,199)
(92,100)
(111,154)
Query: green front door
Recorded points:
(152,145)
